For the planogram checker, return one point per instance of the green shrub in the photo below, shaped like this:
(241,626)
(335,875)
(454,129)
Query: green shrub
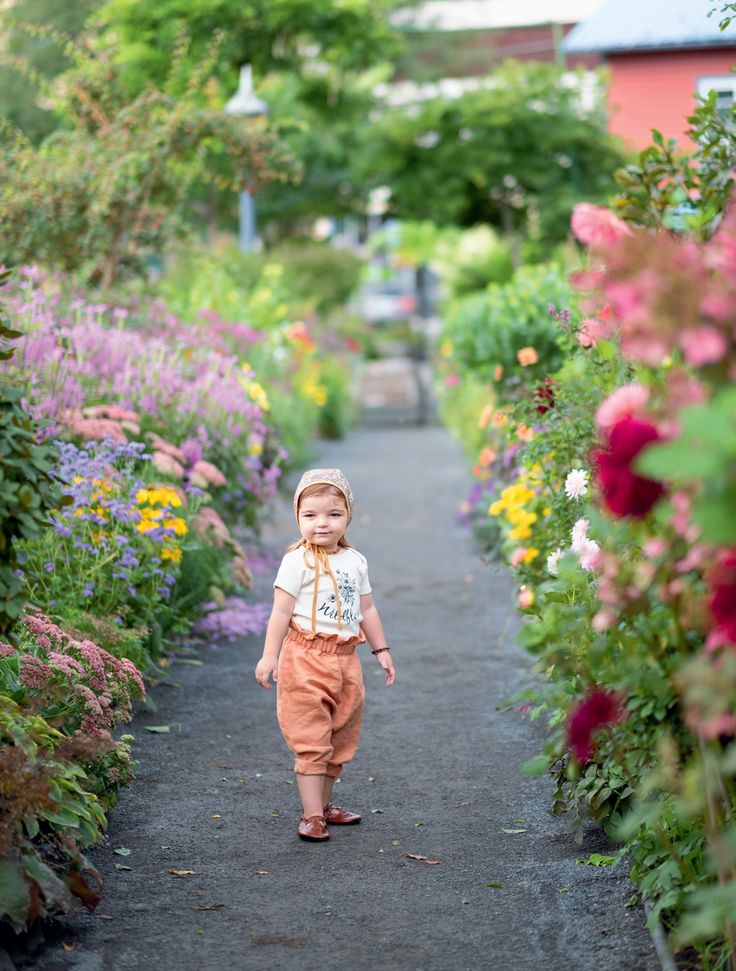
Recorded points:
(486,330)
(27,494)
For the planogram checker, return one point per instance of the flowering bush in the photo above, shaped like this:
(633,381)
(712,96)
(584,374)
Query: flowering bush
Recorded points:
(90,380)
(628,584)
(47,817)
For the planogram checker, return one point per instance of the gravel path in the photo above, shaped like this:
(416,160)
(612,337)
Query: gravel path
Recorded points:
(437,775)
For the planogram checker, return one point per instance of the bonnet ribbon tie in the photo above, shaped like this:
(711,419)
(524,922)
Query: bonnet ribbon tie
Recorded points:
(321,558)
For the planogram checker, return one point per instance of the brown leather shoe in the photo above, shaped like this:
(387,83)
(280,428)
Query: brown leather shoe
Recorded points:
(313,828)
(341,817)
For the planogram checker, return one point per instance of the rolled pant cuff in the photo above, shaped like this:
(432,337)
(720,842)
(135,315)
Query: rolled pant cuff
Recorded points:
(302,767)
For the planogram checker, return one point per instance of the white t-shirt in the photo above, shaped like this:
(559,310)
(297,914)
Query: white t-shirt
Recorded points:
(351,572)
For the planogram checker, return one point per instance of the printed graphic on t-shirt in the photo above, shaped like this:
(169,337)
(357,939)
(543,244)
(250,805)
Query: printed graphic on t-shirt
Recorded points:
(347,585)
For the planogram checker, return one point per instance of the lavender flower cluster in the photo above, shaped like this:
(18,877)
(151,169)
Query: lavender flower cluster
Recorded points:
(231,620)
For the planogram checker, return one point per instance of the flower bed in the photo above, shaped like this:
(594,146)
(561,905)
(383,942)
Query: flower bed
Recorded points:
(610,487)
(148,452)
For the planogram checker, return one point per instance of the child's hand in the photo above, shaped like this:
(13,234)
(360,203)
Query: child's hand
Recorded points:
(266,667)
(384,659)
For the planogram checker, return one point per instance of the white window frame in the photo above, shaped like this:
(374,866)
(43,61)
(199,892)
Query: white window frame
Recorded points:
(717,82)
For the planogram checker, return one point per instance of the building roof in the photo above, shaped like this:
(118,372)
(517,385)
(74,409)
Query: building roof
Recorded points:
(624,25)
(448,15)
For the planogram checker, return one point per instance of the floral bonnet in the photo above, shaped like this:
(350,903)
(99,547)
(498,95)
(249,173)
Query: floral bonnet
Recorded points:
(333,477)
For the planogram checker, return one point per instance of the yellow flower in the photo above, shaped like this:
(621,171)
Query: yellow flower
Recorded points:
(496,507)
(255,448)
(446,348)
(177,524)
(172,553)
(530,554)
(520,532)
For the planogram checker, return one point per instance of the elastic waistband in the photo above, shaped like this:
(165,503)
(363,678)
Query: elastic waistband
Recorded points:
(324,643)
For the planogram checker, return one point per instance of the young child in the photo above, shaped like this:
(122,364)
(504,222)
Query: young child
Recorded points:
(322,609)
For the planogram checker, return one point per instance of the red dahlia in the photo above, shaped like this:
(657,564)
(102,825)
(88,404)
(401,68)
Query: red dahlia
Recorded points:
(597,709)
(723,599)
(624,492)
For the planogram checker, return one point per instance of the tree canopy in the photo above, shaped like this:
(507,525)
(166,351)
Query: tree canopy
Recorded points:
(516,152)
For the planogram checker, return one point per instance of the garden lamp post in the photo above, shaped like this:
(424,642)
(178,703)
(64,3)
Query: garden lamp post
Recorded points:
(245,102)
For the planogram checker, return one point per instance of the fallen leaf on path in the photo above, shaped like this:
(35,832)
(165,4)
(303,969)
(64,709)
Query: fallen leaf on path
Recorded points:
(496,886)
(207,906)
(419,822)
(422,859)
(217,816)
(396,842)
(180,873)
(122,866)
(188,660)
(158,729)
(122,851)
(506,829)
(261,873)
(564,889)
(596,859)
(376,810)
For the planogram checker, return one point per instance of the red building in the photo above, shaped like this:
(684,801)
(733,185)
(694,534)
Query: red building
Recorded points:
(471,38)
(660,54)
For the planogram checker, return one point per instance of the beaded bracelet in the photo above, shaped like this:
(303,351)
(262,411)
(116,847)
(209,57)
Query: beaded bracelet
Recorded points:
(381,650)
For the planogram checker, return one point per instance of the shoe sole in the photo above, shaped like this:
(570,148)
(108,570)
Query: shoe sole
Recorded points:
(353,822)
(313,839)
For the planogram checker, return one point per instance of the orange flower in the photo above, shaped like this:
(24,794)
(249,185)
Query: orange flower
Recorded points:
(485,416)
(527,356)
(525,433)
(498,373)
(499,419)
(487,455)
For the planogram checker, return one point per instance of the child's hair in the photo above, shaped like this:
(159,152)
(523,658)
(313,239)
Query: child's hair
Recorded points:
(320,489)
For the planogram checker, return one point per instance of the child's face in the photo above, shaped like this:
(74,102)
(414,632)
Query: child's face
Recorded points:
(323,520)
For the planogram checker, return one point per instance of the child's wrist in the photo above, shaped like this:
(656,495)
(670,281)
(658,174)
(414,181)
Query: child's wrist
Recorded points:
(380,650)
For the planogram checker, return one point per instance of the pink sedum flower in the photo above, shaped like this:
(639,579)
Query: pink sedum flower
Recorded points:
(167,465)
(209,472)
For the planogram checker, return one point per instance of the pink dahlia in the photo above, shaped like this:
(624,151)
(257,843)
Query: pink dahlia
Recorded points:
(597,226)
(621,403)
(703,345)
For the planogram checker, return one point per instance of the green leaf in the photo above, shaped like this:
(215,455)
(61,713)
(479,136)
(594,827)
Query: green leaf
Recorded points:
(596,859)
(122,851)
(122,866)
(536,766)
(496,886)
(512,831)
(159,729)
(15,894)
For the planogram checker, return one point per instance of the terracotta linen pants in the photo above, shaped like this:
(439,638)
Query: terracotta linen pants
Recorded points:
(319,700)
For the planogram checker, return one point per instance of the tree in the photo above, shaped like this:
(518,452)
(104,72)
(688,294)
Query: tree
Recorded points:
(517,152)
(283,36)
(102,196)
(29,56)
